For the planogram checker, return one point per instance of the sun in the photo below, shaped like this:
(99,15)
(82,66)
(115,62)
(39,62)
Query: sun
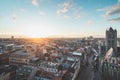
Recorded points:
(35,36)
(38,30)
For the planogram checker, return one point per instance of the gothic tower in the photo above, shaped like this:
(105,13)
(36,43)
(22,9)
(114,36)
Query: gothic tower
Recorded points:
(111,40)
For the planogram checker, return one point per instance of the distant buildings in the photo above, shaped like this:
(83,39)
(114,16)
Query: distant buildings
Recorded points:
(12,37)
(52,59)
(111,40)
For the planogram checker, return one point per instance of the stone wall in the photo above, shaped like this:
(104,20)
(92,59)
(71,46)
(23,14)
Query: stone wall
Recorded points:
(110,69)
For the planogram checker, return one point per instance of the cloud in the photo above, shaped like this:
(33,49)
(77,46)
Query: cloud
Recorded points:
(35,2)
(66,17)
(115,19)
(70,6)
(90,22)
(104,9)
(77,16)
(114,10)
(42,13)
(1,16)
(14,17)
(64,7)
(118,1)
(111,11)
(23,10)
(77,12)
(43,0)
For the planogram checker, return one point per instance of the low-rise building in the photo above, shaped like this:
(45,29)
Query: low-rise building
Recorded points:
(19,58)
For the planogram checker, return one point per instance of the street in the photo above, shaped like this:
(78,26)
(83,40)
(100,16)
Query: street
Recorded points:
(87,72)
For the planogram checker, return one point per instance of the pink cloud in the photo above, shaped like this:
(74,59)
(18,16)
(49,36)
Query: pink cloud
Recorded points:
(65,7)
(90,22)
(35,2)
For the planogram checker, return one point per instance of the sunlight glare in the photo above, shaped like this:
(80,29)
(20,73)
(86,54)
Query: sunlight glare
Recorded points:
(39,30)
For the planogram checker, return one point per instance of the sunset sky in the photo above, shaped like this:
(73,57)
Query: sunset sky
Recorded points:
(58,18)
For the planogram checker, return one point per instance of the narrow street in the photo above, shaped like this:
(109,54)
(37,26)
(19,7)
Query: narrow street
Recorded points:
(87,72)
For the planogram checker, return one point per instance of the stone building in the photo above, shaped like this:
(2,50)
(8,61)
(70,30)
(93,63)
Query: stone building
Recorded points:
(111,40)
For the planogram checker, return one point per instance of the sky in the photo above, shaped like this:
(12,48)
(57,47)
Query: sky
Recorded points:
(58,18)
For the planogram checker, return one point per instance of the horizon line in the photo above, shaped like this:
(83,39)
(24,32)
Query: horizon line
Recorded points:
(55,36)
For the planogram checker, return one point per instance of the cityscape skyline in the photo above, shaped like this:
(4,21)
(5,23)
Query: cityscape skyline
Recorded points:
(64,18)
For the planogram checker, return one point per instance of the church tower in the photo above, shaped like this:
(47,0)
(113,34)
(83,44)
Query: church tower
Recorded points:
(111,40)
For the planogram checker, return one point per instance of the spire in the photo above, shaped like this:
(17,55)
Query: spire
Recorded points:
(115,30)
(110,29)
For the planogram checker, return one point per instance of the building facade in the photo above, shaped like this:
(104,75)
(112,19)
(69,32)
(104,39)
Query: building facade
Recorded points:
(111,40)
(20,57)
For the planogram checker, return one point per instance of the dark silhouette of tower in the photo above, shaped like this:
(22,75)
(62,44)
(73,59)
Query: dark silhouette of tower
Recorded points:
(111,40)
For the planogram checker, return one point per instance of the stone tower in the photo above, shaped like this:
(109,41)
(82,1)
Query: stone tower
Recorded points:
(111,40)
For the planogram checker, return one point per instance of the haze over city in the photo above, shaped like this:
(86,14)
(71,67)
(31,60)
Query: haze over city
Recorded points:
(58,18)
(59,39)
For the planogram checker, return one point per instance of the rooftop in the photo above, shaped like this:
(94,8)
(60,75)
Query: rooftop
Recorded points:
(20,52)
(6,68)
(77,54)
